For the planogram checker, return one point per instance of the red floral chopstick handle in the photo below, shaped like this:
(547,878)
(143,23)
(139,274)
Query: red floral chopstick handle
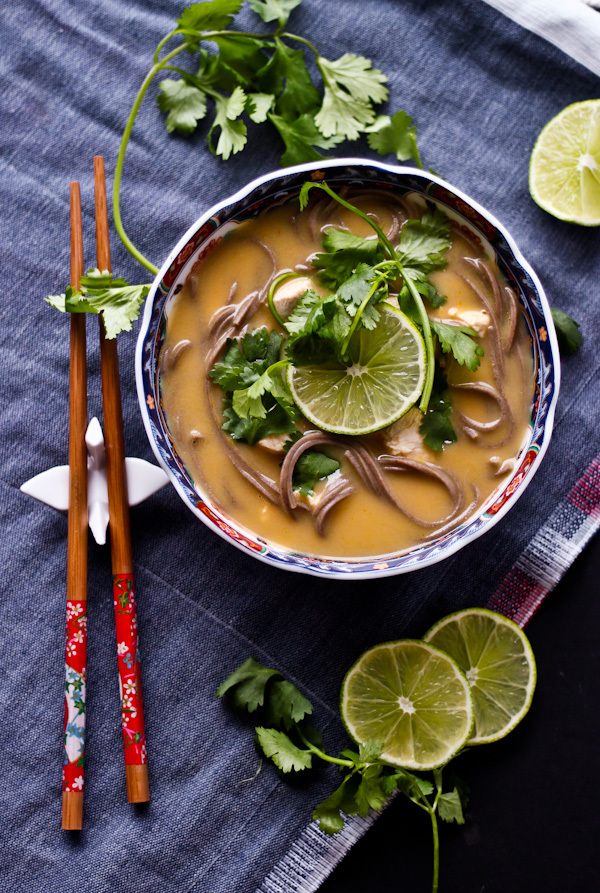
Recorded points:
(130,680)
(75,669)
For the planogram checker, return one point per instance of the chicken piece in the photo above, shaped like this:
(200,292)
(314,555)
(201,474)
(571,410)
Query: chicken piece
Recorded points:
(501,467)
(403,437)
(478,320)
(273,443)
(289,293)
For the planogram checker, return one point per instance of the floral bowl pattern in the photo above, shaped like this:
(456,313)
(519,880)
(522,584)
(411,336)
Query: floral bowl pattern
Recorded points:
(273,189)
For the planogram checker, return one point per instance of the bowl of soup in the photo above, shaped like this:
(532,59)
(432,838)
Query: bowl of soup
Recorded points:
(324,500)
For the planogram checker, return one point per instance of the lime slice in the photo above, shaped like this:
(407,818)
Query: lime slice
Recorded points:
(383,380)
(498,662)
(411,696)
(564,171)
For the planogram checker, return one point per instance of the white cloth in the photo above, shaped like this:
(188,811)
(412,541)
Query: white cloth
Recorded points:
(571,25)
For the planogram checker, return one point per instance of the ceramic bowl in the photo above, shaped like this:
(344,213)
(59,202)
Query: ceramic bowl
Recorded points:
(272,189)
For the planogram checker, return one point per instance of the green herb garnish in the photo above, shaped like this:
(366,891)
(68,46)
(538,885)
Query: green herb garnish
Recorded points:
(569,336)
(458,340)
(436,427)
(293,746)
(264,78)
(257,400)
(101,292)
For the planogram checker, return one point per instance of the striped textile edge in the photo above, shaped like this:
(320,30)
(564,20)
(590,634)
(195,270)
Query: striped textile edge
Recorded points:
(544,561)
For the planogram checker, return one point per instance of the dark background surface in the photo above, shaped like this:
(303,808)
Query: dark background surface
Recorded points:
(533,821)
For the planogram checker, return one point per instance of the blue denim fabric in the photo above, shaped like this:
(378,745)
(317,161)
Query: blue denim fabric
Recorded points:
(480,89)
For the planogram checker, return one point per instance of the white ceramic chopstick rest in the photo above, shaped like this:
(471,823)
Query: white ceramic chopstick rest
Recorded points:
(52,486)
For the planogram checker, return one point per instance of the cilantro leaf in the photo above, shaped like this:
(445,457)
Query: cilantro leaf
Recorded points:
(117,301)
(300,137)
(569,337)
(317,329)
(370,750)
(351,86)
(276,421)
(258,105)
(458,340)
(343,253)
(257,400)
(240,59)
(183,104)
(248,401)
(287,76)
(356,289)
(214,15)
(312,466)
(436,427)
(412,786)
(246,359)
(280,748)
(329,812)
(371,793)
(450,808)
(286,705)
(233,136)
(396,135)
(422,242)
(247,685)
(269,10)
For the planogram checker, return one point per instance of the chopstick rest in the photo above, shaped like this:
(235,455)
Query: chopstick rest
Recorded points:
(52,486)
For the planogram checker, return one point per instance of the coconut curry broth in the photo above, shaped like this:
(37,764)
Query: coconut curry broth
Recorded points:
(362,524)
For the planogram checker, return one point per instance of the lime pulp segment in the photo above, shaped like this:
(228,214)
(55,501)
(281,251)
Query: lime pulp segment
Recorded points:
(411,696)
(564,171)
(497,659)
(383,380)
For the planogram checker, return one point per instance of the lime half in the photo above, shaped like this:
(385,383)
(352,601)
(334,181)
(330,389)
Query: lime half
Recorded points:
(564,172)
(383,380)
(497,659)
(411,696)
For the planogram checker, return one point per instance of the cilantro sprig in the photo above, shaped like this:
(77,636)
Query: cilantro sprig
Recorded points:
(368,782)
(101,292)
(420,252)
(258,402)
(263,78)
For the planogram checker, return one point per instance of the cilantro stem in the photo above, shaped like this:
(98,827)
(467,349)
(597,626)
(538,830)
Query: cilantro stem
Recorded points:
(321,753)
(436,850)
(302,40)
(165,40)
(283,277)
(158,66)
(121,159)
(359,313)
(427,337)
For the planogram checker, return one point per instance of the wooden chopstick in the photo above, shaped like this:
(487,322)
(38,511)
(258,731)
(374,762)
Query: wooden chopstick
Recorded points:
(76,642)
(132,711)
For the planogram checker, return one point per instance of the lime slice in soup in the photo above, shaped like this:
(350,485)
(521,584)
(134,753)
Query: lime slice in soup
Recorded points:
(498,661)
(383,379)
(413,698)
(564,172)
